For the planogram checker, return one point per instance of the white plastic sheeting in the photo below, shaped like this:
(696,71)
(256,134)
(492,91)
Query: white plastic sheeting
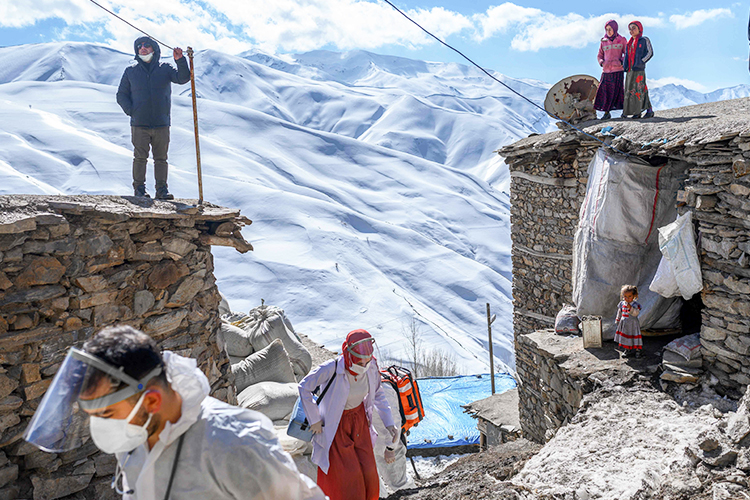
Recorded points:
(677,245)
(616,240)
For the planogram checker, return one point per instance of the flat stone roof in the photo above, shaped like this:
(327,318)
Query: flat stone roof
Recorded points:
(670,132)
(498,409)
(21,213)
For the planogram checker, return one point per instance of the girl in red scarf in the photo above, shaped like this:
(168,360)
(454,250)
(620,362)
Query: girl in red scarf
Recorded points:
(611,94)
(637,54)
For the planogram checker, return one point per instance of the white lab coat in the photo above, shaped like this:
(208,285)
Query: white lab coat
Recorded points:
(228,452)
(332,406)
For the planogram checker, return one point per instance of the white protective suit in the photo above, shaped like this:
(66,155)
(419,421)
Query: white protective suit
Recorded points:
(393,477)
(228,452)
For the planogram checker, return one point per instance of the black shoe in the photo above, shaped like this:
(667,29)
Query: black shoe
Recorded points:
(140,191)
(636,117)
(649,114)
(606,116)
(163,194)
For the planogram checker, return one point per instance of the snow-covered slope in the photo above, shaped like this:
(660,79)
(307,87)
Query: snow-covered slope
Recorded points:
(371,180)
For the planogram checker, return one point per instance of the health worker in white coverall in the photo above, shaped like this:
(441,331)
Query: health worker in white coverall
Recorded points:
(171,440)
(390,457)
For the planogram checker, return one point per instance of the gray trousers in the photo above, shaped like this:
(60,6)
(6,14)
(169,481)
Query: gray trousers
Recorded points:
(158,140)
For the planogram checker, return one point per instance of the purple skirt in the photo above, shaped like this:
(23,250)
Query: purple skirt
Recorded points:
(611,93)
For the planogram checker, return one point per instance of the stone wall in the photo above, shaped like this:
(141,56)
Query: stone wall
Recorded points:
(549,395)
(547,188)
(70,266)
(720,202)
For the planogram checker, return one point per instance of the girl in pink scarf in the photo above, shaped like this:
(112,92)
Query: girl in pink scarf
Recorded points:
(611,93)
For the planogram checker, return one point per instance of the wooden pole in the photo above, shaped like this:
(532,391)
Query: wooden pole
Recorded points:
(195,123)
(492,357)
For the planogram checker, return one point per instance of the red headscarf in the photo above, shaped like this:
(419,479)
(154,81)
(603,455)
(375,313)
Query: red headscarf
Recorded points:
(613,24)
(633,43)
(353,346)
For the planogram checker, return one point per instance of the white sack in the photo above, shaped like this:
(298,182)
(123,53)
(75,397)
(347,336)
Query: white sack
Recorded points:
(677,244)
(224,305)
(266,323)
(269,364)
(236,340)
(273,399)
(688,346)
(664,282)
(290,444)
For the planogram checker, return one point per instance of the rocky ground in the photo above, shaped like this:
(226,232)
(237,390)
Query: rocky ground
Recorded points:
(482,475)
(626,443)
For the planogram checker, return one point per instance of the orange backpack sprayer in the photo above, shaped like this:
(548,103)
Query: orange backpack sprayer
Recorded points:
(410,402)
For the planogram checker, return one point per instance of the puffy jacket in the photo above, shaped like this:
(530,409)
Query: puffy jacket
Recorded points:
(146,88)
(612,53)
(643,54)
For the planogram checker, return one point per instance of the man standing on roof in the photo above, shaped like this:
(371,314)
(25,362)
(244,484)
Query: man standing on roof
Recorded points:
(145,96)
(152,411)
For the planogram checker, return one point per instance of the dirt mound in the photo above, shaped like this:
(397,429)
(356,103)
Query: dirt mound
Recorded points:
(482,475)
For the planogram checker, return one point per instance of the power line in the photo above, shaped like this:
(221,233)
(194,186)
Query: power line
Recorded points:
(502,83)
(131,25)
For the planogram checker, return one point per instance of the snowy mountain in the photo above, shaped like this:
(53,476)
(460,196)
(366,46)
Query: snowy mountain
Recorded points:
(372,180)
(675,96)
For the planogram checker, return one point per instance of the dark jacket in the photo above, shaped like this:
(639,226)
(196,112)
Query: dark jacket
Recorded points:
(146,88)
(643,53)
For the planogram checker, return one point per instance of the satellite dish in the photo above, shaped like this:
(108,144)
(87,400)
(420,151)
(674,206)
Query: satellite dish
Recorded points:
(572,98)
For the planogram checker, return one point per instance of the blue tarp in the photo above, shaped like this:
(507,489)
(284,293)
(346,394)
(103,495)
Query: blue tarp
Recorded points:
(445,423)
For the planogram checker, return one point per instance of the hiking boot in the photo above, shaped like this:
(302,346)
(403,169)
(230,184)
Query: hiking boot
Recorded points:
(140,191)
(649,114)
(163,194)
(636,117)
(606,116)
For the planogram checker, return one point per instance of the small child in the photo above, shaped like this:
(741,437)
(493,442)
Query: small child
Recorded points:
(611,92)
(628,334)
(637,54)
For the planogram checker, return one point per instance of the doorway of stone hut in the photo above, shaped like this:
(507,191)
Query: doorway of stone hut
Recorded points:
(617,243)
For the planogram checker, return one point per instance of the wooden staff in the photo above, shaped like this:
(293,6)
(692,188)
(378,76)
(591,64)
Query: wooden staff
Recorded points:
(195,122)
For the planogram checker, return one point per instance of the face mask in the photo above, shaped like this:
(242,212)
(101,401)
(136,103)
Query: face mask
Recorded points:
(359,369)
(147,57)
(118,436)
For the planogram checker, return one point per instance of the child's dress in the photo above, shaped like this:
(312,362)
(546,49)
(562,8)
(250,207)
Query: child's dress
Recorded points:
(638,52)
(628,334)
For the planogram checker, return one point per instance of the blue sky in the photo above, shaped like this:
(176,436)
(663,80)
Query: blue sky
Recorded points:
(699,44)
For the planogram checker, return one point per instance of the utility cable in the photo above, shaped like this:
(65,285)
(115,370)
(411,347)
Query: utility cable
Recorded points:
(131,25)
(504,84)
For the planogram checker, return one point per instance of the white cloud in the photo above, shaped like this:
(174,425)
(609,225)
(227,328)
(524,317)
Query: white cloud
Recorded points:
(300,25)
(536,29)
(698,17)
(234,26)
(688,84)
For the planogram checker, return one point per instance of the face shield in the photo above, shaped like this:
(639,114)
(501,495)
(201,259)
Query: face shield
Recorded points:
(59,424)
(361,349)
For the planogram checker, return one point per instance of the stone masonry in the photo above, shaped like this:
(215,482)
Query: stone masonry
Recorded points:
(70,266)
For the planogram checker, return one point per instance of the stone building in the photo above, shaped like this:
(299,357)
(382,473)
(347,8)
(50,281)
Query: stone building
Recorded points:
(72,265)
(711,143)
